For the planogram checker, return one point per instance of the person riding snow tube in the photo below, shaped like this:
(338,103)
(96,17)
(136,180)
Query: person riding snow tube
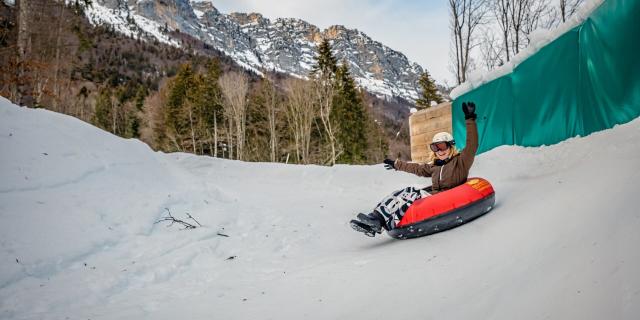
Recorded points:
(446,210)
(447,167)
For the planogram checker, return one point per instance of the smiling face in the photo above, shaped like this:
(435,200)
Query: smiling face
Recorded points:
(443,146)
(442,150)
(443,154)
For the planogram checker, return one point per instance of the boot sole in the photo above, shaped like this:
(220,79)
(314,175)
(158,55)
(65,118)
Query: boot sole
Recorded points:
(366,219)
(358,226)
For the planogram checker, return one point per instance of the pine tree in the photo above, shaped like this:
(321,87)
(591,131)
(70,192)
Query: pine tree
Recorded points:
(104,108)
(257,129)
(193,109)
(133,126)
(349,113)
(429,92)
(141,94)
(325,61)
(177,120)
(212,108)
(207,100)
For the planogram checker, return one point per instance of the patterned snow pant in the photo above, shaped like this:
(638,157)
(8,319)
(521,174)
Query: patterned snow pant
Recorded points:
(393,207)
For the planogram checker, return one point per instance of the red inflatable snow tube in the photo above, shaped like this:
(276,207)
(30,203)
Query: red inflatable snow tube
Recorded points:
(446,210)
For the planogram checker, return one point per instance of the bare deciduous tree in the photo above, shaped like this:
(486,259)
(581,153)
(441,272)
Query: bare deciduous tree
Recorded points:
(214,148)
(300,114)
(501,9)
(466,17)
(56,85)
(234,87)
(526,16)
(272,109)
(324,89)
(41,51)
(568,8)
(516,20)
(189,106)
(24,12)
(538,15)
(491,50)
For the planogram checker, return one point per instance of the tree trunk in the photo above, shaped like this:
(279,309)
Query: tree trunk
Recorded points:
(84,105)
(240,130)
(193,134)
(234,87)
(501,11)
(230,138)
(271,104)
(114,116)
(272,136)
(325,96)
(215,136)
(56,86)
(24,43)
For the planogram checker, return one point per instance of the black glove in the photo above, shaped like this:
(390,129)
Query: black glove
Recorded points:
(469,109)
(389,164)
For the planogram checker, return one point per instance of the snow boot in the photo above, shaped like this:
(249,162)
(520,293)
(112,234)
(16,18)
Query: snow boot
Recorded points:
(369,224)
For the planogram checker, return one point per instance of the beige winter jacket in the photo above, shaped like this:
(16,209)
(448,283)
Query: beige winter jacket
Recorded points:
(454,172)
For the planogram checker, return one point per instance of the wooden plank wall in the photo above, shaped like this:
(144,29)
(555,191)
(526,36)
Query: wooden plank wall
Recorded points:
(423,125)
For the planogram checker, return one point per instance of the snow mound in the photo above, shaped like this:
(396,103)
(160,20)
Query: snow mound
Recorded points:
(78,237)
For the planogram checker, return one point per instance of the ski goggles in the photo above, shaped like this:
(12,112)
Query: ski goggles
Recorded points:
(439,146)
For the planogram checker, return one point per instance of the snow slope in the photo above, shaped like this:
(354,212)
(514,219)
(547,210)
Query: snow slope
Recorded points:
(78,239)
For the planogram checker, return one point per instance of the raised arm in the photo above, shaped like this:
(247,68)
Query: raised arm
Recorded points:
(468,154)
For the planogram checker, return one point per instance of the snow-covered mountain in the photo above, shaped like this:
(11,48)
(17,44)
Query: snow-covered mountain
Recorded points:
(78,238)
(257,43)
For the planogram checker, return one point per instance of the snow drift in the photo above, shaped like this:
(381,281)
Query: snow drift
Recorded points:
(78,237)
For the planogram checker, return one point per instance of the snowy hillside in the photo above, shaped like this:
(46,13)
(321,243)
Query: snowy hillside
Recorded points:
(286,45)
(78,239)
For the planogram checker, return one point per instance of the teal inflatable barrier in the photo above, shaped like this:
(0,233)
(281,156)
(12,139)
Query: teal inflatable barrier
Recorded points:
(586,80)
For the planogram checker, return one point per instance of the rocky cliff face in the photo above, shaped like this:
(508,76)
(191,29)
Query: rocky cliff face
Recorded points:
(257,43)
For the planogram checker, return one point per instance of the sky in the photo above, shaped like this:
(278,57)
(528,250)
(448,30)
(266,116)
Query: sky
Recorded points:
(419,29)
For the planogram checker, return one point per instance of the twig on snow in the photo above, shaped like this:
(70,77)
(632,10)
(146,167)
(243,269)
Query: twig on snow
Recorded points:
(194,219)
(173,220)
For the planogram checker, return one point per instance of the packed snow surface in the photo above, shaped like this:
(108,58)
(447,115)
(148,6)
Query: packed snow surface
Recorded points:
(78,238)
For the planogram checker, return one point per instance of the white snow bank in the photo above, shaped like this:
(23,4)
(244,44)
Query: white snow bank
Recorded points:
(67,190)
(78,238)
(539,39)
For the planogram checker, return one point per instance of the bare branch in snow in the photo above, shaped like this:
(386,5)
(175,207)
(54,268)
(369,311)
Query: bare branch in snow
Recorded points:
(173,220)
